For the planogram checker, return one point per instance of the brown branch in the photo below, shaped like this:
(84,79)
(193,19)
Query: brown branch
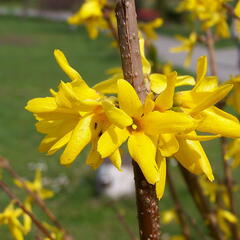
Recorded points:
(179,209)
(228,181)
(230,10)
(106,14)
(6,165)
(211,51)
(123,221)
(12,196)
(202,204)
(147,203)
(226,168)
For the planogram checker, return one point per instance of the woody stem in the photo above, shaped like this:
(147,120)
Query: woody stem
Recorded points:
(147,203)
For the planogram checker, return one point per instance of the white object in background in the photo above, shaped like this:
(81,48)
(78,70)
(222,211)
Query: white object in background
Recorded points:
(113,183)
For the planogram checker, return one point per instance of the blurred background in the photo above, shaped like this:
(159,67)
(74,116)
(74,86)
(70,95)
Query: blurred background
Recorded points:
(29,32)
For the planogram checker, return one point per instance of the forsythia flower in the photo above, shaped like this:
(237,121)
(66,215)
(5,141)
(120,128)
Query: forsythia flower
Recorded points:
(74,116)
(148,28)
(168,216)
(237,9)
(234,99)
(10,216)
(224,218)
(164,125)
(37,186)
(209,12)
(199,103)
(233,152)
(188,45)
(138,131)
(90,14)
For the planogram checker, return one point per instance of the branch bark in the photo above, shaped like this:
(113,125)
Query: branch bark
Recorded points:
(178,206)
(147,203)
(12,196)
(202,204)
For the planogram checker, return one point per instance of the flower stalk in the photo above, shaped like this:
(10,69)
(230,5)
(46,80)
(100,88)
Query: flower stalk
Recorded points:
(147,203)
(228,178)
(202,203)
(179,209)
(12,196)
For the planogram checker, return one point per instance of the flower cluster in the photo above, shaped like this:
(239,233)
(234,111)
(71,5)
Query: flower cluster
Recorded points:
(18,222)
(162,126)
(91,15)
(210,13)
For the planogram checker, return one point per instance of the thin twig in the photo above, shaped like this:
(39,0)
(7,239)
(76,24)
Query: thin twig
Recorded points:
(230,10)
(226,167)
(147,203)
(106,14)
(123,221)
(12,196)
(179,209)
(202,204)
(38,200)
(228,181)
(211,51)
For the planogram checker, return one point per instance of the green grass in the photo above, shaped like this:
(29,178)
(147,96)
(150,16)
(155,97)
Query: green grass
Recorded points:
(28,70)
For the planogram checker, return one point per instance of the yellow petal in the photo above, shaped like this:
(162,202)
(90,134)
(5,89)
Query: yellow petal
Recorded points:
(143,151)
(149,104)
(145,63)
(16,232)
(111,139)
(128,99)
(81,136)
(237,9)
(192,156)
(167,122)
(108,86)
(94,159)
(212,98)
(60,143)
(160,185)
(39,105)
(193,136)
(165,100)
(63,63)
(217,121)
(116,159)
(201,69)
(185,80)
(158,82)
(208,84)
(168,144)
(116,115)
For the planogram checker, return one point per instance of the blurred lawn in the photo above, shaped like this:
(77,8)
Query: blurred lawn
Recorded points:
(28,70)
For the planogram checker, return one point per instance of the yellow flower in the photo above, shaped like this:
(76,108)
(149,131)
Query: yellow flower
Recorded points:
(168,216)
(10,217)
(148,28)
(55,232)
(157,81)
(234,99)
(233,152)
(73,117)
(90,14)
(199,103)
(188,45)
(37,186)
(210,13)
(136,128)
(237,9)
(224,218)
